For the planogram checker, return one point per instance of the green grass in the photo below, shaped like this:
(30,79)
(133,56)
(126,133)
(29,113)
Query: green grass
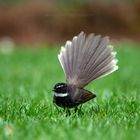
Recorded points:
(27,112)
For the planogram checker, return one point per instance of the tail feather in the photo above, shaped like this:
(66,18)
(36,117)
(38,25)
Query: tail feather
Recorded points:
(87,59)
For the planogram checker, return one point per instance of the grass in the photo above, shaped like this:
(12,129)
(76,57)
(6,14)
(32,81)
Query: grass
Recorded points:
(26,110)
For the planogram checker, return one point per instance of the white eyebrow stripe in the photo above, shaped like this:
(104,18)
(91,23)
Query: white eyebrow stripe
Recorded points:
(61,94)
(60,86)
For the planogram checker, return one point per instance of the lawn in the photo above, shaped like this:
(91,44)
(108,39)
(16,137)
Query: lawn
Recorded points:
(26,110)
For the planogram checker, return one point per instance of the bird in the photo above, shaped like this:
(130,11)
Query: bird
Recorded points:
(84,59)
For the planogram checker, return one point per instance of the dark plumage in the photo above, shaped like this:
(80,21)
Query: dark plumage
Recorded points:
(83,60)
(75,97)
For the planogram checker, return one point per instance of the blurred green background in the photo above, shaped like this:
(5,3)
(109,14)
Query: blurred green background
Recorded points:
(31,33)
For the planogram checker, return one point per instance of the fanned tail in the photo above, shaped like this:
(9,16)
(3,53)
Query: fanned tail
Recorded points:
(87,59)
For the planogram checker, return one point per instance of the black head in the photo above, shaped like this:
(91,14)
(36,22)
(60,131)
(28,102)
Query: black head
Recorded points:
(60,88)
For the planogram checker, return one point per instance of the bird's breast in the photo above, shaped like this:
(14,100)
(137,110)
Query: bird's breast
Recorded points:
(63,101)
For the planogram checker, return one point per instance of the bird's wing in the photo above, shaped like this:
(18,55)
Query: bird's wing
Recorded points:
(85,59)
(81,96)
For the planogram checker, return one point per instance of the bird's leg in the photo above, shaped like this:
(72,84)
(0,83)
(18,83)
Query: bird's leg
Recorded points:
(80,108)
(64,109)
(67,111)
(59,110)
(76,108)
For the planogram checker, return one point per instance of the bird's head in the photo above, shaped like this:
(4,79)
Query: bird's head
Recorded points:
(60,89)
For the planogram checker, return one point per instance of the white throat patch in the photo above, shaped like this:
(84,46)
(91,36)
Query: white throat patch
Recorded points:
(61,94)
